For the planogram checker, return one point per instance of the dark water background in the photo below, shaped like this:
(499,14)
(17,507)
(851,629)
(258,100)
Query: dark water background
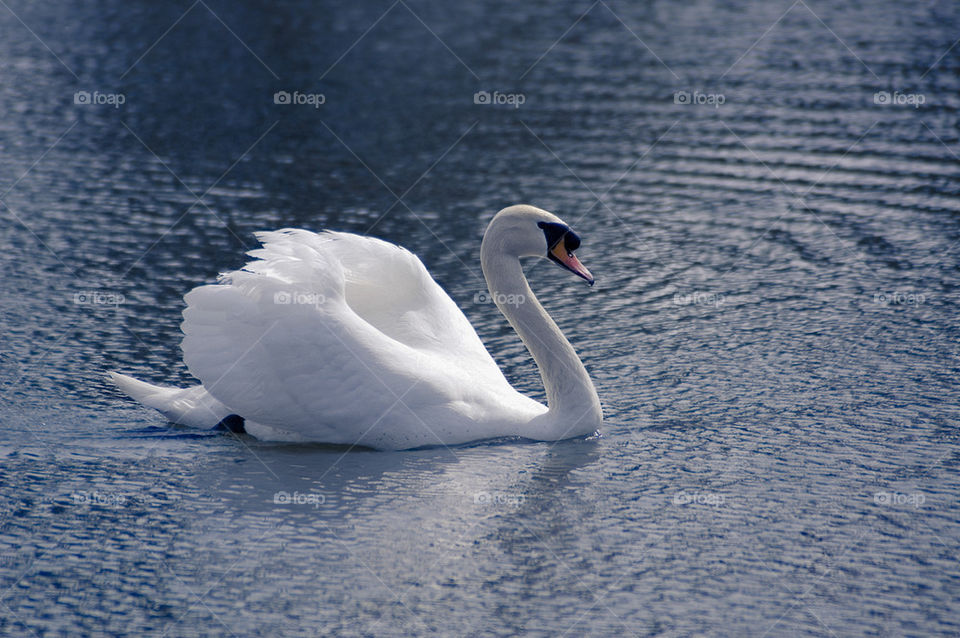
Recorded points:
(773,333)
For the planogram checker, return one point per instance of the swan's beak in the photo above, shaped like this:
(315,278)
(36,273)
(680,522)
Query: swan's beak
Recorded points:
(568,260)
(561,242)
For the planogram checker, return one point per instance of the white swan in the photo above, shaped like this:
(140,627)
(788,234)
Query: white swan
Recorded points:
(338,338)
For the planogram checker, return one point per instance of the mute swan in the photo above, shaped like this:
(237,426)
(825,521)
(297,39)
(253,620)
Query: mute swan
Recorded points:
(338,338)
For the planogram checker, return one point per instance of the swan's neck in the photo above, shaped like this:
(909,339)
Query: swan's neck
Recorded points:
(572,401)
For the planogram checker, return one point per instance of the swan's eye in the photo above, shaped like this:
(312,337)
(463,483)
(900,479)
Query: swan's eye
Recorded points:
(555,233)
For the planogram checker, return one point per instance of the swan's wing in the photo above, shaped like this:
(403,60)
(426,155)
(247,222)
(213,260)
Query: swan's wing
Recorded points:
(331,328)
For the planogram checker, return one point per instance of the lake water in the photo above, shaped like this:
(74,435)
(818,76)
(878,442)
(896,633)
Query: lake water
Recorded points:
(767,194)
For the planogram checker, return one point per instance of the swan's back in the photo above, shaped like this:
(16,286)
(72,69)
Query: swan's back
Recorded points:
(390,288)
(346,339)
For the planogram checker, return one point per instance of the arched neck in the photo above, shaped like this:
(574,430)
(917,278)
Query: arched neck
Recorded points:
(571,398)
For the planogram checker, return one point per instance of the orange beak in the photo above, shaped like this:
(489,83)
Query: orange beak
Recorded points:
(569,261)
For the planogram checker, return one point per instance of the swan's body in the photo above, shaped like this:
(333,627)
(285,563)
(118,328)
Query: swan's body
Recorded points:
(339,338)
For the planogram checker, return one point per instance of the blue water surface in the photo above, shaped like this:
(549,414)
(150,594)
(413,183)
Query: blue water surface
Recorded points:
(768,196)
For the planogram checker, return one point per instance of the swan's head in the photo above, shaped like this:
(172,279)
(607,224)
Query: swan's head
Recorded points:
(527,231)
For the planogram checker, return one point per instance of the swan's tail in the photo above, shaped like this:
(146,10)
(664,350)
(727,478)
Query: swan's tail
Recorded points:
(194,406)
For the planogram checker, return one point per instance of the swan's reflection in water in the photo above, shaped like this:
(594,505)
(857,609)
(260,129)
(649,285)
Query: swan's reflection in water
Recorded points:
(409,528)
